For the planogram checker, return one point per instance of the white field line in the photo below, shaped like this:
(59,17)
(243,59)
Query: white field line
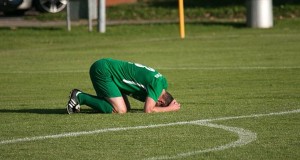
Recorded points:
(245,137)
(159,68)
(74,134)
(247,116)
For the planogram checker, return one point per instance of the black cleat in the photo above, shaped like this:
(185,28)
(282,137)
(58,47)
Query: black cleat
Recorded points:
(73,104)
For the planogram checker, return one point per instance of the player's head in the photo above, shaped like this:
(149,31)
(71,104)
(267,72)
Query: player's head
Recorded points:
(165,99)
(168,98)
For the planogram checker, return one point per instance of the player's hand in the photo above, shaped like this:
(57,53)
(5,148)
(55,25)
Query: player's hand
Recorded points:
(175,105)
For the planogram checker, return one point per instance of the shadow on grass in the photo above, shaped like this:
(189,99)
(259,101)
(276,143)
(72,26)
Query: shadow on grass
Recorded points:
(220,23)
(239,24)
(35,111)
(136,111)
(32,28)
(57,111)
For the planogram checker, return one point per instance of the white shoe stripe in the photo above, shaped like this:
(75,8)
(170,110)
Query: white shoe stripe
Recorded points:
(72,103)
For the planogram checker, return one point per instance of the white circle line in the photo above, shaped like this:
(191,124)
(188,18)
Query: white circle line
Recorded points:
(245,137)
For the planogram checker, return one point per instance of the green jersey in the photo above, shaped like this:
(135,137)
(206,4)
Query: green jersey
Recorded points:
(133,79)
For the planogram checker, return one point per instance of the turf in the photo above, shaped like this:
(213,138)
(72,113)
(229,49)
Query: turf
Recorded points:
(219,70)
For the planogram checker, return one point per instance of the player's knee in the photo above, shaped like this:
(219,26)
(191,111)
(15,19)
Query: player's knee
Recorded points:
(118,104)
(121,110)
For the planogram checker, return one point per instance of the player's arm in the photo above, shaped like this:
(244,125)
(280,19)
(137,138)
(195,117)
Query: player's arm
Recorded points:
(150,106)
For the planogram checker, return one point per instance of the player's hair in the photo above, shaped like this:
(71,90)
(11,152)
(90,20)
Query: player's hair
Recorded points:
(168,98)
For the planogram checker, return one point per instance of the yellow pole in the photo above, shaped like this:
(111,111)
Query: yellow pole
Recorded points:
(181,19)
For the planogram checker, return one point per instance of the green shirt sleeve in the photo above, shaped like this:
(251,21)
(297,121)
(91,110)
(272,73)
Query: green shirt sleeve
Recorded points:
(156,87)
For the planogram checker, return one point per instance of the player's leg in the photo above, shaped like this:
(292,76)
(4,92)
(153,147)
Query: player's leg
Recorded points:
(97,103)
(118,104)
(78,98)
(112,94)
(105,86)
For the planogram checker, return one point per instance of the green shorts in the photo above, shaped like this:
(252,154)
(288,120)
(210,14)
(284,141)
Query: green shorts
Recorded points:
(102,80)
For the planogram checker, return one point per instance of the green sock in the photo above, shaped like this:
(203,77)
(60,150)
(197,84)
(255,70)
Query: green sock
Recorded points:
(99,104)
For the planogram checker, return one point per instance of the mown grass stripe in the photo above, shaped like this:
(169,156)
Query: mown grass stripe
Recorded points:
(159,68)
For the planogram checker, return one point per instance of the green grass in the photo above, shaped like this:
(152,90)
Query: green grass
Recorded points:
(219,70)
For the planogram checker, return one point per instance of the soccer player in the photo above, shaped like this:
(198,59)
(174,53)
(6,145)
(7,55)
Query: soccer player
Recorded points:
(114,80)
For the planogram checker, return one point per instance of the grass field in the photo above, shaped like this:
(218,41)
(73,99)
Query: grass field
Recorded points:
(220,70)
